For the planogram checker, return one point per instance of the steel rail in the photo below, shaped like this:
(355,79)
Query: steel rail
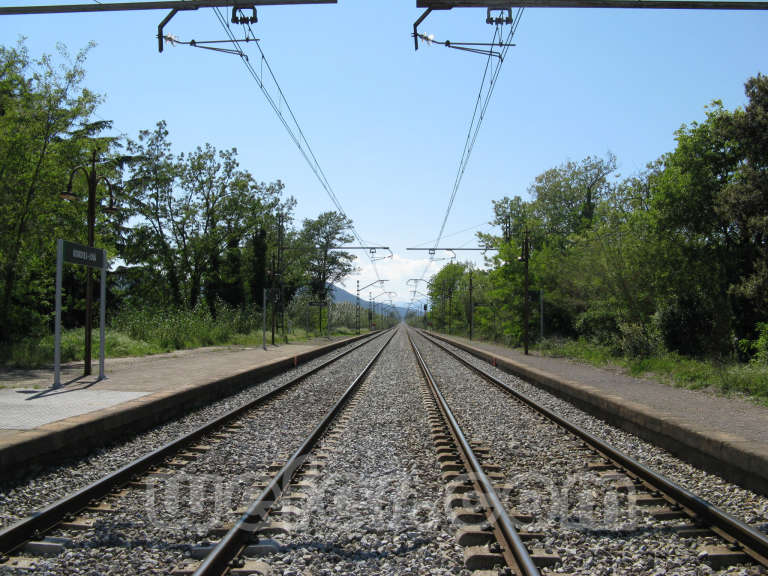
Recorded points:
(15,535)
(236,539)
(512,541)
(754,543)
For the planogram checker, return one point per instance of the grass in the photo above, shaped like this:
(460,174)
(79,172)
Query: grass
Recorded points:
(38,352)
(727,378)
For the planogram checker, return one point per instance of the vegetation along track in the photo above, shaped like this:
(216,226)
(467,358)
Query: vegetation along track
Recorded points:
(587,506)
(151,513)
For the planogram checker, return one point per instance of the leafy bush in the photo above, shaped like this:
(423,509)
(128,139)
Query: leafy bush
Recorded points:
(640,340)
(761,344)
(690,324)
(597,324)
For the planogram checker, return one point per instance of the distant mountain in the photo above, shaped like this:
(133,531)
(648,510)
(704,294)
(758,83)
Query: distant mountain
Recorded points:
(341,295)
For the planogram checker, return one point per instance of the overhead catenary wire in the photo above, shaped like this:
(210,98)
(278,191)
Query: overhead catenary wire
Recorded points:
(452,234)
(291,124)
(485,92)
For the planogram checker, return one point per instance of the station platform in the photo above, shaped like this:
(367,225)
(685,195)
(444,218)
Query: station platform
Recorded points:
(40,424)
(725,436)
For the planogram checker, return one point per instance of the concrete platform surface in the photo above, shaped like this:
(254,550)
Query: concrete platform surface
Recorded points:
(27,409)
(727,436)
(36,421)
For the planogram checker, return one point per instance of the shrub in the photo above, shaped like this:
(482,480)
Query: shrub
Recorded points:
(760,345)
(640,340)
(692,324)
(598,324)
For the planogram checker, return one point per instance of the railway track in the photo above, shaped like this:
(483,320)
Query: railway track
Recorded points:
(346,503)
(659,505)
(44,540)
(421,461)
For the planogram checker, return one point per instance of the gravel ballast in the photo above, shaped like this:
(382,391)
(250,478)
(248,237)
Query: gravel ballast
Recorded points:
(378,506)
(155,527)
(22,496)
(594,530)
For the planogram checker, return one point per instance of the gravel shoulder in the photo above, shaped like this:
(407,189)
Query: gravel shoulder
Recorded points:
(155,527)
(702,409)
(22,496)
(594,531)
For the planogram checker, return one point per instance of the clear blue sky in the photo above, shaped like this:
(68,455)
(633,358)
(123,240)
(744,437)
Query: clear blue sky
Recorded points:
(388,124)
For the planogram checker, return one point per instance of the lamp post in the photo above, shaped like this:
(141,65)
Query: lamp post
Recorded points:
(93,181)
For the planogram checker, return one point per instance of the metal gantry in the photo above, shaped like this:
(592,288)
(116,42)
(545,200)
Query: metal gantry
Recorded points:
(175,6)
(357,310)
(371,251)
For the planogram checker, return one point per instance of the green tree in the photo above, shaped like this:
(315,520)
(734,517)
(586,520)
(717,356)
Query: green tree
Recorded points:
(45,130)
(323,264)
(566,197)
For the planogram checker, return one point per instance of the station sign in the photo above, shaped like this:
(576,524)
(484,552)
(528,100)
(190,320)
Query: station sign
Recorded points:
(83,255)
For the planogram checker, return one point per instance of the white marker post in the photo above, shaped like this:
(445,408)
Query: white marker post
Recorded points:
(85,256)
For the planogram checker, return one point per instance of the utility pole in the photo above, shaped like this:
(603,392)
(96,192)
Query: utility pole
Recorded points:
(370,313)
(526,312)
(471,306)
(274,298)
(264,319)
(279,294)
(357,308)
(541,313)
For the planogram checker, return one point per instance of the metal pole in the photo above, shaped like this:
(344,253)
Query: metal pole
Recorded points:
(264,319)
(88,272)
(102,314)
(541,313)
(280,306)
(273,300)
(357,308)
(57,323)
(471,308)
(526,312)
(370,313)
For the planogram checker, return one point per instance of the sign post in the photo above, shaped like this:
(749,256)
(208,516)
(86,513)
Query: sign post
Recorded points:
(84,256)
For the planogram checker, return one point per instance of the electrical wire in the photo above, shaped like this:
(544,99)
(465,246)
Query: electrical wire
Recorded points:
(452,234)
(293,128)
(477,119)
